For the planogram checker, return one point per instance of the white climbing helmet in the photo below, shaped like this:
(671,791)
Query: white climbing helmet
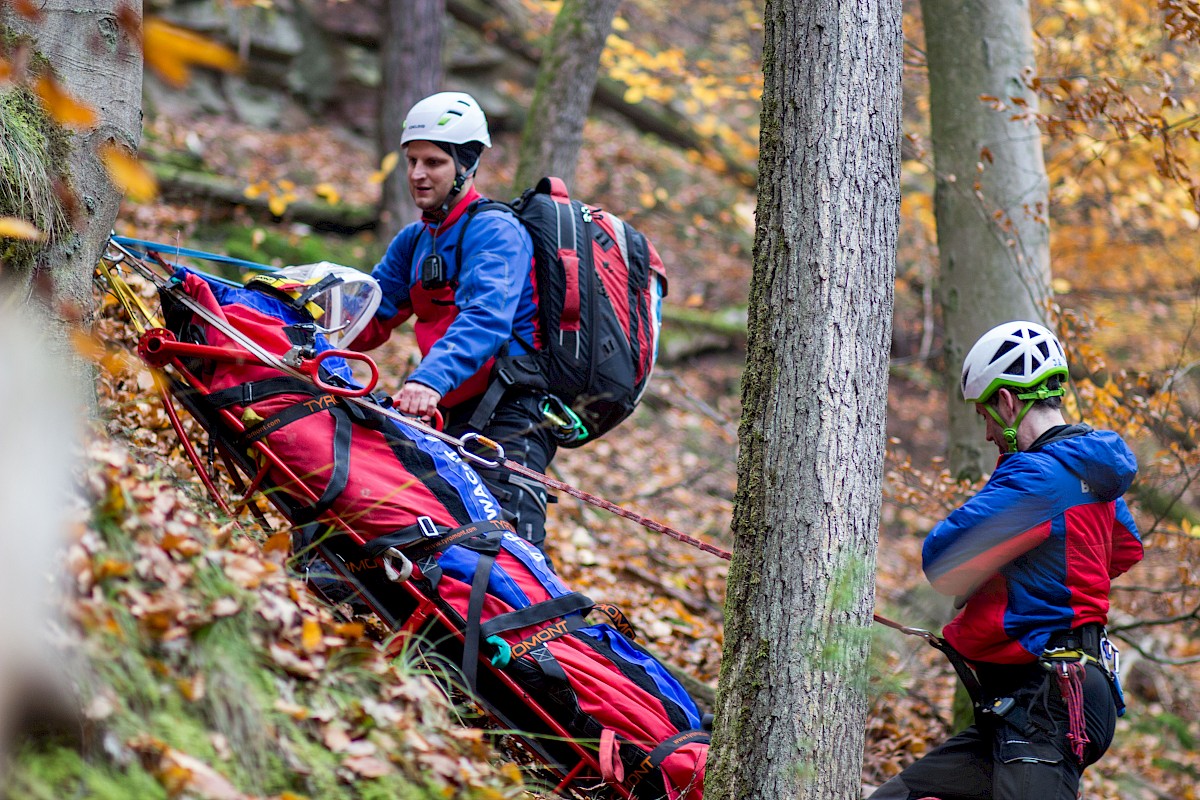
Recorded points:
(1017,354)
(450,117)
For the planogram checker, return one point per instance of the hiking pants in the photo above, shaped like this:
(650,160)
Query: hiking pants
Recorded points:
(1028,758)
(518,426)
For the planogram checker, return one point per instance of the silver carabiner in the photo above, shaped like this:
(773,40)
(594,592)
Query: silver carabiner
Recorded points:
(495,447)
(1110,657)
(928,636)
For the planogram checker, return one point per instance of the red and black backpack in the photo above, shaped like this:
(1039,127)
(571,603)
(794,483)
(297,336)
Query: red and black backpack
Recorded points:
(599,285)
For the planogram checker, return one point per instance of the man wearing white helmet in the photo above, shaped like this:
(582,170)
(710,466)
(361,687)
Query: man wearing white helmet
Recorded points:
(1030,558)
(469,306)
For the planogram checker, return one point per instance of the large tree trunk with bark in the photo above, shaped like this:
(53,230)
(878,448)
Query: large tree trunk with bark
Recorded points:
(791,705)
(411,64)
(99,62)
(566,79)
(991,193)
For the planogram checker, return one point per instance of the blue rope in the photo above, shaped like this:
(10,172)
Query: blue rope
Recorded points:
(170,249)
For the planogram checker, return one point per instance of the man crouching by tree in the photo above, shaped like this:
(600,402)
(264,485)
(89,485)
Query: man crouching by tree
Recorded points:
(1031,558)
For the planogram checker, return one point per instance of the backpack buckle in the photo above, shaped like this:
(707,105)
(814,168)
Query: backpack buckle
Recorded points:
(427,528)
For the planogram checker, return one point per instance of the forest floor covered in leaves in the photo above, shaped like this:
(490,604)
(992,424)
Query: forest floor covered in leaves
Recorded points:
(674,460)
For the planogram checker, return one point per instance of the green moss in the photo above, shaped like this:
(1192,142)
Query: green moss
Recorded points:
(56,772)
(33,155)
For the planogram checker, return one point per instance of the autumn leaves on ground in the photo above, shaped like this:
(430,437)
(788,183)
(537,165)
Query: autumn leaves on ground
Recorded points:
(206,670)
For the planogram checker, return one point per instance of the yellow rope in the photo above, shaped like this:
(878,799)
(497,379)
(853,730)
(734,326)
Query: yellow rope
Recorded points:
(130,300)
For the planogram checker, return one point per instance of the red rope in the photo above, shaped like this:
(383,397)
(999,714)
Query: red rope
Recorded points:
(600,502)
(1070,683)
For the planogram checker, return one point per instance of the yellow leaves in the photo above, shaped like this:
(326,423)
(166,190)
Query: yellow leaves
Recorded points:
(63,107)
(172,52)
(620,24)
(16,228)
(1189,529)
(128,174)
(181,544)
(278,543)
(111,360)
(110,568)
(280,194)
(327,192)
(386,167)
(311,638)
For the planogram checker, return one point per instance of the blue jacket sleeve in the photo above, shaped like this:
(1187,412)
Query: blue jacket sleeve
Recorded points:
(496,259)
(1009,516)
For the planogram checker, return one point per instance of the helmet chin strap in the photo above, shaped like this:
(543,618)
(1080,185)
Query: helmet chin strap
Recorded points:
(460,179)
(1010,431)
(1042,392)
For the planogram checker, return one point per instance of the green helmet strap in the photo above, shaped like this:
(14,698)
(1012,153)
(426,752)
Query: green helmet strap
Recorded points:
(1010,431)
(1042,392)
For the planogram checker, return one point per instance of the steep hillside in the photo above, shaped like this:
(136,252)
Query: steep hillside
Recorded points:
(205,670)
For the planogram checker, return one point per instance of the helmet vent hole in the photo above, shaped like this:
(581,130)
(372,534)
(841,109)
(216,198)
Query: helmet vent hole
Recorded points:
(1017,367)
(1000,351)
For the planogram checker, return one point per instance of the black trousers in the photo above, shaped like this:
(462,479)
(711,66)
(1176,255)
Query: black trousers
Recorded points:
(517,425)
(1026,758)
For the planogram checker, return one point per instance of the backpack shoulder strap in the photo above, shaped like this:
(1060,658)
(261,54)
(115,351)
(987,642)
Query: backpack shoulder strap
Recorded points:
(475,208)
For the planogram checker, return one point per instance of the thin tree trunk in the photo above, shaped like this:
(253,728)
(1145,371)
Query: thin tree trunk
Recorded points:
(992,222)
(411,63)
(99,63)
(566,79)
(791,704)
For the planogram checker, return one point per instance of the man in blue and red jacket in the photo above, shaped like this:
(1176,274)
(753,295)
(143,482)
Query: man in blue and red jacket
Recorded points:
(1030,558)
(470,293)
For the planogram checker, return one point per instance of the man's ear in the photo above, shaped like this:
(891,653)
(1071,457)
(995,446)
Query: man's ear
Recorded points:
(1006,403)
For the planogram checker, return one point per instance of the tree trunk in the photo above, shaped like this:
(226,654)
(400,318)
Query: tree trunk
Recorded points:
(791,703)
(99,63)
(411,64)
(993,233)
(563,93)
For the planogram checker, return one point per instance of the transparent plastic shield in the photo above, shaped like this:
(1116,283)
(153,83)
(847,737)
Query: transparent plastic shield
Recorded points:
(341,300)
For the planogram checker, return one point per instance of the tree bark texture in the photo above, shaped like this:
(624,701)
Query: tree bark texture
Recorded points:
(411,66)
(791,703)
(562,95)
(991,196)
(99,63)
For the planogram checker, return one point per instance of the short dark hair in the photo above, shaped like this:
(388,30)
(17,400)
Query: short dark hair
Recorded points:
(465,155)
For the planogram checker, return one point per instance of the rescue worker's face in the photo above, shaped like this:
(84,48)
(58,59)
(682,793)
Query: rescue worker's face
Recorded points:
(1007,406)
(431,173)
(995,433)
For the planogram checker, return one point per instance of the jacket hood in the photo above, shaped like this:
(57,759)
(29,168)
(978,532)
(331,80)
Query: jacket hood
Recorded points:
(1100,458)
